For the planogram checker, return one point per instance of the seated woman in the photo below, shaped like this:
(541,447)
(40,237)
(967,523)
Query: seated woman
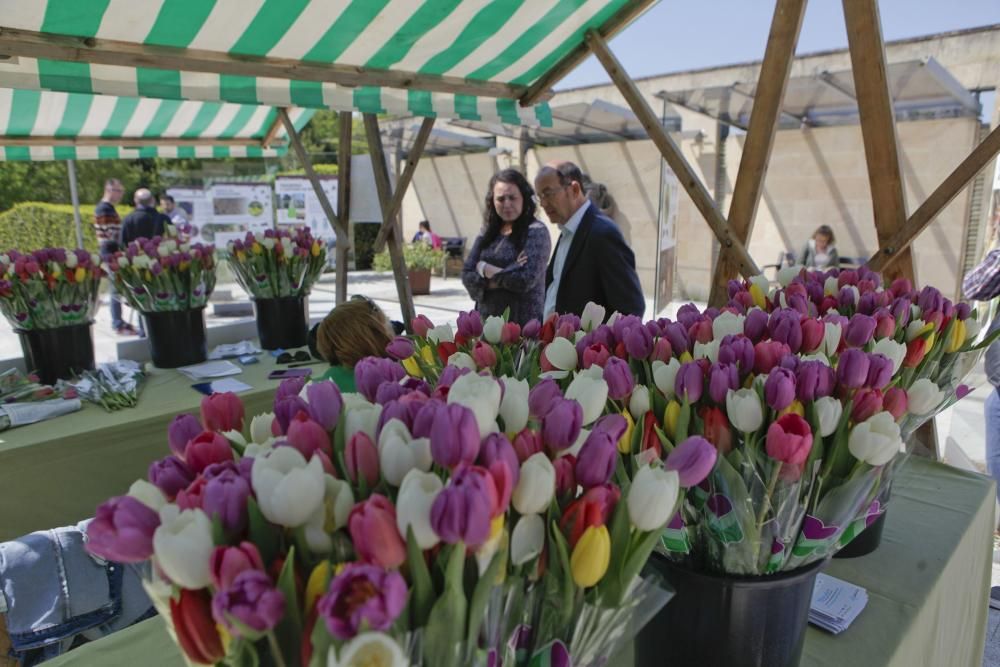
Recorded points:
(820,253)
(351,332)
(506,267)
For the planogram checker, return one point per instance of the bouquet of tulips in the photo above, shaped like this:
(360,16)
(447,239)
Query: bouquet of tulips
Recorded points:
(49,288)
(113,386)
(160,274)
(281,264)
(456,520)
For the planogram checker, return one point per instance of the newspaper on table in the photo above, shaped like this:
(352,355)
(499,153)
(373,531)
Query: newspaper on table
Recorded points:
(211,369)
(19,414)
(835,603)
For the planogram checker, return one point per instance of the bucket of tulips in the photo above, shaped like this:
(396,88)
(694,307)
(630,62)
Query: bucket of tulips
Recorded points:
(170,284)
(49,296)
(277,270)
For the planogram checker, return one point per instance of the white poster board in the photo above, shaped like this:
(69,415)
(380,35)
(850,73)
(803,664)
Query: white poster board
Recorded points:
(667,237)
(237,208)
(196,207)
(296,203)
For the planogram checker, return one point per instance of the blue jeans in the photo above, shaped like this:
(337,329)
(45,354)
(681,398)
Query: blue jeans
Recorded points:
(108,247)
(991,411)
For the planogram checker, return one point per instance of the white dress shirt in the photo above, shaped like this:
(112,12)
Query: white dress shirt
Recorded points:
(559,260)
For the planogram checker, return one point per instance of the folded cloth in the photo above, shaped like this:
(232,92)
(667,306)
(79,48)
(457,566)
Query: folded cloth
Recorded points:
(19,414)
(55,593)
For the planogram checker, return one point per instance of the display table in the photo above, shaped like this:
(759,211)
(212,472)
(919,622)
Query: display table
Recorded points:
(56,472)
(928,586)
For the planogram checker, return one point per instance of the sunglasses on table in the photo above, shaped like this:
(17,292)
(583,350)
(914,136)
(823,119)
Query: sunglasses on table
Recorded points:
(288,357)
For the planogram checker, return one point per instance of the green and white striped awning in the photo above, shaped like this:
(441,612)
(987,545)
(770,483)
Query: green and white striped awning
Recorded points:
(46,125)
(467,59)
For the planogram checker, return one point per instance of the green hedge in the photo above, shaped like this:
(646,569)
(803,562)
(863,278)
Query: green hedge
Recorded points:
(33,225)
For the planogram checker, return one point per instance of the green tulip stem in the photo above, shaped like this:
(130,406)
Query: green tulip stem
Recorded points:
(773,482)
(272,641)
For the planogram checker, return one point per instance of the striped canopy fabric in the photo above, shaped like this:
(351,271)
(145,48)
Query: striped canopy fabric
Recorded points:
(510,44)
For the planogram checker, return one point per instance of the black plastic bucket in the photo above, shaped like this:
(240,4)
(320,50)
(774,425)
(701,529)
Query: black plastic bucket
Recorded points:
(281,322)
(867,541)
(176,337)
(60,353)
(728,620)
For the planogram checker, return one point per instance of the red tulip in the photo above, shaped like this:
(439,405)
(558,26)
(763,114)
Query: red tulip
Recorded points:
(191,613)
(598,354)
(361,459)
(222,412)
(205,449)
(592,509)
(649,438)
(717,429)
(372,525)
(812,334)
(445,350)
(789,439)
(510,333)
(916,349)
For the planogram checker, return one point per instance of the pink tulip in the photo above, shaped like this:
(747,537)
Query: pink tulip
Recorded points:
(866,403)
(222,412)
(307,436)
(812,334)
(484,355)
(361,459)
(895,402)
(510,333)
(122,530)
(789,440)
(421,325)
(662,350)
(205,449)
(227,562)
(372,525)
(526,444)
(596,354)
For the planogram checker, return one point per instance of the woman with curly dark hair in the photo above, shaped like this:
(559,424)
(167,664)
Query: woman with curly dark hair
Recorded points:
(506,267)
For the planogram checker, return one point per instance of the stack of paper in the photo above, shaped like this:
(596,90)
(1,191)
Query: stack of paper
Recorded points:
(233,350)
(211,369)
(835,603)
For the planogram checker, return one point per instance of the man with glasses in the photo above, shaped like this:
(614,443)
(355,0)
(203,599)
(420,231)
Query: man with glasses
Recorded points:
(592,262)
(108,227)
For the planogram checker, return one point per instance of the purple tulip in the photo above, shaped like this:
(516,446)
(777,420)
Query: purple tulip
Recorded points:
(597,459)
(251,601)
(619,378)
(690,381)
(813,379)
(461,511)
(779,389)
(722,378)
(470,325)
(325,403)
(879,371)
(623,325)
(947,308)
(693,459)
(755,325)
(362,597)
(286,408)
(454,436)
(170,475)
(639,342)
(603,335)
(496,447)
(561,424)
(790,361)
(289,387)
(371,372)
(688,315)
(737,350)
(183,428)
(405,411)
(677,334)
(785,327)
(860,330)
(389,391)
(567,325)
(852,369)
(901,311)
(226,494)
(867,303)
(423,421)
(531,329)
(929,300)
(450,374)
(542,397)
(963,310)
(614,425)
(845,299)
(122,530)
(400,348)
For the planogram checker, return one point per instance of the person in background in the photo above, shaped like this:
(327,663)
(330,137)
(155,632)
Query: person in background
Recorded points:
(144,222)
(349,333)
(425,235)
(506,267)
(173,212)
(591,262)
(107,228)
(820,253)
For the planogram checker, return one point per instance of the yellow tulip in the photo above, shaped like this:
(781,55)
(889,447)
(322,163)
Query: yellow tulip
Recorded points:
(757,294)
(224,636)
(591,556)
(625,442)
(428,354)
(56,272)
(81,273)
(315,249)
(319,582)
(257,248)
(956,338)
(930,341)
(412,367)
(795,408)
(686,357)
(670,416)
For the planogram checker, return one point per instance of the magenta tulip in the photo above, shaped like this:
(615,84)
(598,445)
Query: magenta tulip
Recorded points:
(307,436)
(362,598)
(767,354)
(227,562)
(170,475)
(693,459)
(866,403)
(789,440)
(400,348)
(251,602)
(361,459)
(372,525)
(122,530)
(181,430)
(484,355)
(526,444)
(225,495)
(565,467)
(618,375)
(470,325)
(420,325)
(205,449)
(461,512)
(779,388)
(222,412)
(812,334)
(895,402)
(596,354)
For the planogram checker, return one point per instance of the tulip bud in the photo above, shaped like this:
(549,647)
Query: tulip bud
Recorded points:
(413,508)
(511,333)
(591,557)
(222,412)
(565,467)
(895,402)
(779,388)
(767,354)
(924,396)
(561,353)
(536,487)
(421,325)
(639,403)
(183,546)
(227,562)
(744,410)
(618,377)
(789,440)
(665,375)
(361,459)
(196,631)
(652,497)
(593,316)
(182,429)
(692,460)
(260,428)
(852,369)
(372,525)
(493,329)
(866,403)
(689,382)
(527,540)
(875,440)
(526,444)
(400,348)
(859,330)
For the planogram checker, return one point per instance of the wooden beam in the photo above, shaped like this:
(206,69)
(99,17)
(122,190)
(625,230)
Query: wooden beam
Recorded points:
(878,127)
(672,154)
(384,187)
(272,132)
(27,43)
(125,142)
(412,158)
(925,214)
(346,122)
(541,89)
(778,57)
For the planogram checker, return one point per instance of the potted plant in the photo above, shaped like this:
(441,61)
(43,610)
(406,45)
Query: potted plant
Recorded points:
(50,298)
(277,271)
(420,261)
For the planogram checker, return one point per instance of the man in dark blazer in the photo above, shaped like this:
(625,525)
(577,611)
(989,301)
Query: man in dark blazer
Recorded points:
(591,261)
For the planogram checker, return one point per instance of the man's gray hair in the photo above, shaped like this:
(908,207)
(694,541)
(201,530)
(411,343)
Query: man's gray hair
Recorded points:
(144,197)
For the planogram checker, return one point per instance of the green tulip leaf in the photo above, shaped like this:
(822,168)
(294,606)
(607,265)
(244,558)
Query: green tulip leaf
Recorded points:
(289,629)
(262,533)
(481,596)
(422,588)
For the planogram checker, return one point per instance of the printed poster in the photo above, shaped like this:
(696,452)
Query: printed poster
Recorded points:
(667,235)
(297,204)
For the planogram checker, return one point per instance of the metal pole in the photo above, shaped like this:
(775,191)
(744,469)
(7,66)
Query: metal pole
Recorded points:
(71,166)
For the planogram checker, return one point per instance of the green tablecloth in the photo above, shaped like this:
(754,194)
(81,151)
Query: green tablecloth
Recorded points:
(56,472)
(928,586)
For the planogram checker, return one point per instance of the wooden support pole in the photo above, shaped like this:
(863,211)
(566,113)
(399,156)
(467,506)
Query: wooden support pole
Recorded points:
(412,158)
(395,241)
(346,119)
(981,155)
(671,153)
(767,99)
(272,132)
(878,127)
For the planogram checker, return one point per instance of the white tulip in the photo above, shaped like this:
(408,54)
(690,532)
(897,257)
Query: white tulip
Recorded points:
(831,287)
(537,485)
(368,648)
(462,360)
(726,324)
(593,316)
(972,328)
(652,498)
(260,427)
(71,259)
(253,449)
(914,329)
(591,393)
(639,404)
(892,350)
(831,338)
(762,283)
(413,507)
(527,540)
(148,494)
(709,350)
(481,394)
(665,374)
(875,440)
(595,372)
(441,334)
(235,437)
(615,316)
(787,274)
(493,329)
(514,404)
(561,353)
(331,515)
(183,546)
(578,335)
(829,411)
(744,409)
(399,452)
(362,416)
(288,489)
(923,397)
